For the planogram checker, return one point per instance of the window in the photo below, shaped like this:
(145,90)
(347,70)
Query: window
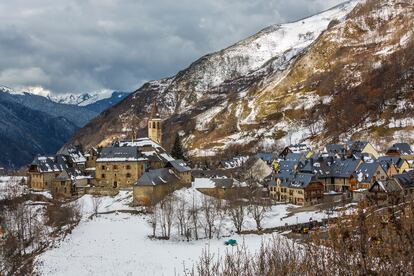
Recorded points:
(103,175)
(115,184)
(62,183)
(115,167)
(128,175)
(158,125)
(103,167)
(128,167)
(153,125)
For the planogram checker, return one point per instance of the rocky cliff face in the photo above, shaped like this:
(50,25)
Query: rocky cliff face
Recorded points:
(345,72)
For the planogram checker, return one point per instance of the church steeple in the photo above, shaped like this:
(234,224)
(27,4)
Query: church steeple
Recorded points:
(155,125)
(154,111)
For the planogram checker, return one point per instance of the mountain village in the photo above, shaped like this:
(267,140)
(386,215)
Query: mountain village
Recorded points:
(298,175)
(290,152)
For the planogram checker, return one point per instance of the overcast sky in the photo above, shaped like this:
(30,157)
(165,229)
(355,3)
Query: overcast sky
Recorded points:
(74,46)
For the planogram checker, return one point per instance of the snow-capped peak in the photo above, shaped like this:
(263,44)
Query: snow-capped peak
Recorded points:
(9,90)
(81,99)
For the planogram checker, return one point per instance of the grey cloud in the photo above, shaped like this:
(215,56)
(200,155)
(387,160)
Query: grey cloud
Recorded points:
(80,46)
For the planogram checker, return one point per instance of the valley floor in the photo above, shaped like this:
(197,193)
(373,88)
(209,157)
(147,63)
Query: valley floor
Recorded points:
(118,243)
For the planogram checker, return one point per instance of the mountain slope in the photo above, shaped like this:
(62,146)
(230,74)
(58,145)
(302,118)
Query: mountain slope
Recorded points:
(344,73)
(25,132)
(212,81)
(32,124)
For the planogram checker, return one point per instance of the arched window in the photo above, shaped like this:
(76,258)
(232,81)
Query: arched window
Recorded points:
(153,125)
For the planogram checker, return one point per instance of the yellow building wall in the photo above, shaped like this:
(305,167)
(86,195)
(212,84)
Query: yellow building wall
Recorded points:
(148,195)
(118,174)
(41,181)
(370,149)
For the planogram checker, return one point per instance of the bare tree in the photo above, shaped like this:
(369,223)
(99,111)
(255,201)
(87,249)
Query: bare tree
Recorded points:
(181,215)
(209,215)
(153,210)
(237,214)
(167,215)
(194,213)
(96,204)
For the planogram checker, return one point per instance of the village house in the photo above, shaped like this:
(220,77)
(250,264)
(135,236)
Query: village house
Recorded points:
(220,187)
(75,155)
(367,174)
(91,155)
(44,169)
(119,167)
(63,185)
(400,164)
(394,190)
(297,188)
(339,175)
(402,150)
(181,169)
(362,147)
(154,185)
(295,149)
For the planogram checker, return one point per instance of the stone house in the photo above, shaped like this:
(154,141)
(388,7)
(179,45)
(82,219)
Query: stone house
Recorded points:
(44,169)
(362,147)
(338,175)
(367,174)
(402,165)
(221,187)
(297,188)
(91,155)
(119,167)
(154,185)
(63,186)
(181,170)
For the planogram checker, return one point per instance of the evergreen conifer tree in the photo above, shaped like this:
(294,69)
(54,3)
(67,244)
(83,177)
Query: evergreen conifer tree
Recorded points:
(177,150)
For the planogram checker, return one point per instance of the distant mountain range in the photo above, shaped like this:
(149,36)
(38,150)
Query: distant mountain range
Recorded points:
(32,124)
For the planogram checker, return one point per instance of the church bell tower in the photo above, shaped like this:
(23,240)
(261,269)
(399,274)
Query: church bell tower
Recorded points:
(155,125)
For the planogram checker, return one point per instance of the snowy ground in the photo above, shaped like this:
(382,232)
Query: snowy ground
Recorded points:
(118,243)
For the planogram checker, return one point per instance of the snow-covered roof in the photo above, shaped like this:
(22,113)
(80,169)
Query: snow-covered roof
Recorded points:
(157,177)
(120,154)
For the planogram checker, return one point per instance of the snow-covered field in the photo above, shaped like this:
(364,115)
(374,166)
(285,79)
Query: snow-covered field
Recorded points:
(118,243)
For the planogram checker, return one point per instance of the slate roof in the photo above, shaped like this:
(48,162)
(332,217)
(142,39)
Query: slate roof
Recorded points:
(289,166)
(343,168)
(397,161)
(403,148)
(266,156)
(366,172)
(294,156)
(335,149)
(157,177)
(120,154)
(405,180)
(388,186)
(357,145)
(51,163)
(73,153)
(179,165)
(295,180)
